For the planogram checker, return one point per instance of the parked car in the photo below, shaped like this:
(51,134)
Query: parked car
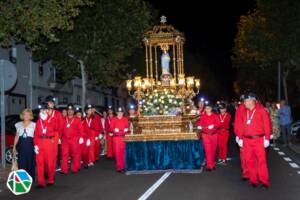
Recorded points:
(10,133)
(296,130)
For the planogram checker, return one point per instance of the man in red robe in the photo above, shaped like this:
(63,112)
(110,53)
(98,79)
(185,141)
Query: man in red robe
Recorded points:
(45,147)
(70,147)
(238,120)
(223,133)
(55,117)
(97,127)
(109,146)
(256,131)
(208,124)
(119,128)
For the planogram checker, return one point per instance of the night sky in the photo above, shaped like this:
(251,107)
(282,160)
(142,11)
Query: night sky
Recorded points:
(210,28)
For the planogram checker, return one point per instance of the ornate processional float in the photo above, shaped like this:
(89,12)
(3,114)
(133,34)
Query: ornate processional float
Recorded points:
(165,94)
(162,135)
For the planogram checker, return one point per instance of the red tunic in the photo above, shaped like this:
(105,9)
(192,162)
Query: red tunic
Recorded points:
(57,118)
(224,121)
(87,130)
(239,114)
(260,122)
(75,131)
(120,124)
(107,124)
(207,120)
(47,124)
(96,124)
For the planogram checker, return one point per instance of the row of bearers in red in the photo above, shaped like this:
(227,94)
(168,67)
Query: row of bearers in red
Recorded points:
(215,134)
(253,129)
(79,139)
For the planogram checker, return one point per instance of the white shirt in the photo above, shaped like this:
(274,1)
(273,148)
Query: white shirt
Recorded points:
(29,129)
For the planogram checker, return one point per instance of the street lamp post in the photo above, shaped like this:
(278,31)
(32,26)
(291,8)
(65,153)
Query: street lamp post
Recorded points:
(83,79)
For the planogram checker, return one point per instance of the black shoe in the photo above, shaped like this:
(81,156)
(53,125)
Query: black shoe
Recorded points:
(208,170)
(254,185)
(86,167)
(50,184)
(39,186)
(265,186)
(244,179)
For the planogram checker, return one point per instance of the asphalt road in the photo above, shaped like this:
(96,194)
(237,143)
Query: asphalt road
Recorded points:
(102,182)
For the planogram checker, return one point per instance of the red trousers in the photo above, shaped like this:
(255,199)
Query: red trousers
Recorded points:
(245,173)
(210,148)
(97,149)
(56,148)
(109,147)
(255,154)
(84,150)
(223,136)
(70,148)
(92,150)
(46,160)
(119,151)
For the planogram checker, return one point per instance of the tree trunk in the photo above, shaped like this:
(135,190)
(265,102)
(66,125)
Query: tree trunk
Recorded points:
(83,81)
(284,83)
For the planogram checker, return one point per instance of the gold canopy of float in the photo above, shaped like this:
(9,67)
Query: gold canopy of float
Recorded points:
(168,72)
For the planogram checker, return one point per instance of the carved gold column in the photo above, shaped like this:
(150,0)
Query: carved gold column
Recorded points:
(151,61)
(156,64)
(174,61)
(182,66)
(178,58)
(147,61)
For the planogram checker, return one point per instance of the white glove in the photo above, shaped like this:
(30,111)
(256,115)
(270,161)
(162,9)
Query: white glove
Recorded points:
(59,141)
(96,138)
(237,139)
(36,149)
(126,130)
(111,134)
(241,143)
(272,136)
(266,143)
(116,130)
(100,136)
(210,126)
(81,140)
(199,127)
(88,142)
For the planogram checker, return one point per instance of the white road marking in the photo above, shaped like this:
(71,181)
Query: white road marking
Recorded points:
(294,165)
(287,159)
(155,186)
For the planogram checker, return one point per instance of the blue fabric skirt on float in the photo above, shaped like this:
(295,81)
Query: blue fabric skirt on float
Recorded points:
(158,156)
